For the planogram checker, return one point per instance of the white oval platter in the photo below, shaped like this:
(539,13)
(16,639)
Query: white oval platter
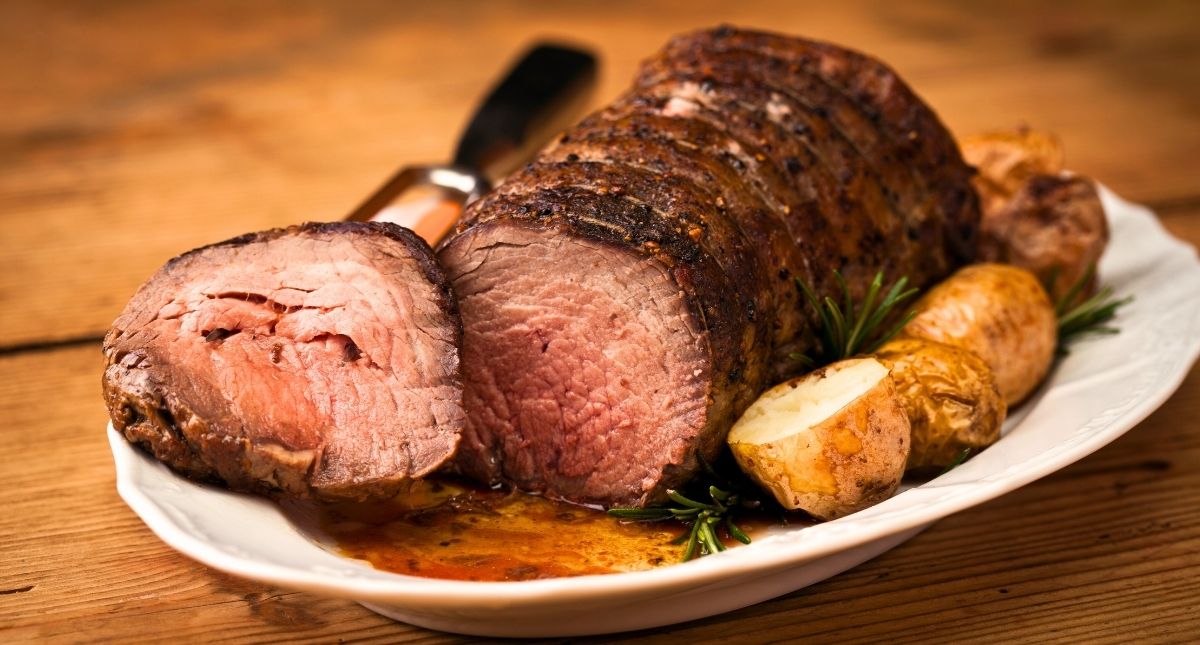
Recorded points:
(1102,389)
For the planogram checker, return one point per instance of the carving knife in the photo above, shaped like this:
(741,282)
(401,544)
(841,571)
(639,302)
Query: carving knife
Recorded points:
(539,95)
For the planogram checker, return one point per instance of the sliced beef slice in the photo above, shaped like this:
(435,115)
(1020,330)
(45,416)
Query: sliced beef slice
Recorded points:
(315,361)
(593,373)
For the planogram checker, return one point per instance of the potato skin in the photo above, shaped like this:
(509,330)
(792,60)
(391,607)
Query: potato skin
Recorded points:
(950,398)
(1054,226)
(999,312)
(1006,160)
(853,459)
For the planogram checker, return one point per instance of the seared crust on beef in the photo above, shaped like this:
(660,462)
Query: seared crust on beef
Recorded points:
(740,161)
(886,99)
(823,169)
(163,395)
(840,130)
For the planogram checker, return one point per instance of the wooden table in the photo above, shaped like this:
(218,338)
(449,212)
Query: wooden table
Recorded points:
(136,131)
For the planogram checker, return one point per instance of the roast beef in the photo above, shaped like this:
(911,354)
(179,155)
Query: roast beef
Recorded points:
(319,360)
(629,293)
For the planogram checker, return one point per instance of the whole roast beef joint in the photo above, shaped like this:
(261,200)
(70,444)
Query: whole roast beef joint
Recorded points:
(628,294)
(623,298)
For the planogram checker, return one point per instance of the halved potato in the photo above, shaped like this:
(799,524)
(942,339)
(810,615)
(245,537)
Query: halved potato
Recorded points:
(830,442)
(999,312)
(950,398)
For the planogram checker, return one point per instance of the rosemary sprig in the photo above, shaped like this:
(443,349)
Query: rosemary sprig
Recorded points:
(849,328)
(958,460)
(1089,317)
(701,519)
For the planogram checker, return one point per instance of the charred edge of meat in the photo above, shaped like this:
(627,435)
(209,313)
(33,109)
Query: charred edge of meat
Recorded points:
(174,436)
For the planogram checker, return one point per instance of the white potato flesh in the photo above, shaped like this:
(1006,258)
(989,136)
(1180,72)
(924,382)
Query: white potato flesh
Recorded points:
(782,410)
(830,443)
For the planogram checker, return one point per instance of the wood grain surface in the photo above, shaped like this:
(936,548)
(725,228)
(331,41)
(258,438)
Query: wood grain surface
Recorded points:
(134,131)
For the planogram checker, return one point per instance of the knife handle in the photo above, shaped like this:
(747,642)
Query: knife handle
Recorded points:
(523,105)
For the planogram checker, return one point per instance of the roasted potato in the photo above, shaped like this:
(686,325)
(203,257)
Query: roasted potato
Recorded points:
(830,442)
(1007,160)
(950,398)
(1054,226)
(999,312)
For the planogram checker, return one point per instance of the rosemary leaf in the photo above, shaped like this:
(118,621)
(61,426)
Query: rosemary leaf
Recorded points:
(958,460)
(863,315)
(677,497)
(837,327)
(643,514)
(1089,317)
(850,328)
(689,551)
(736,532)
(710,541)
(701,519)
(1067,298)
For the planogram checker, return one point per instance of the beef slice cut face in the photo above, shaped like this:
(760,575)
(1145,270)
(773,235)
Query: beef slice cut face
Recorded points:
(585,371)
(319,360)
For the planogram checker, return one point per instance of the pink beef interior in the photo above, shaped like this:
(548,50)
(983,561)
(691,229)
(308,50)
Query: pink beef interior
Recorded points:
(330,349)
(584,372)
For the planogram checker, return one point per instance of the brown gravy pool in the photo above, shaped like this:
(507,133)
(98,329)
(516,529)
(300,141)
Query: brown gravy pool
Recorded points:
(447,530)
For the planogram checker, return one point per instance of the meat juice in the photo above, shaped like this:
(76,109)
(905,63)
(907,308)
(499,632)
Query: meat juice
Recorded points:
(453,531)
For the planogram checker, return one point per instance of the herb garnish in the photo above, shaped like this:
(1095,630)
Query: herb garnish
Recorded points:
(703,520)
(1088,317)
(958,460)
(849,329)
